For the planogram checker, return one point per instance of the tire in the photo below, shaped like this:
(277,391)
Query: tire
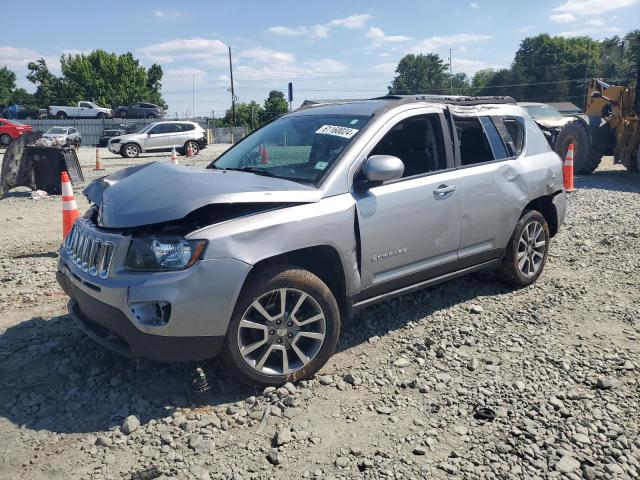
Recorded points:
(130,150)
(5,139)
(195,147)
(122,113)
(61,115)
(263,363)
(151,115)
(532,225)
(585,158)
(100,115)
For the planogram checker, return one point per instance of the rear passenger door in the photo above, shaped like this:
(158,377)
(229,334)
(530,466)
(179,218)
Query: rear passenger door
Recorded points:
(490,187)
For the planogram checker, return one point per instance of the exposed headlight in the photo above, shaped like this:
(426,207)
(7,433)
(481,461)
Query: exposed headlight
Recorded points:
(161,254)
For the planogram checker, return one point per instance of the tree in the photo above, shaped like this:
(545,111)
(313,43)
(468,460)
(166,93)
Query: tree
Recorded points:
(459,84)
(49,88)
(481,79)
(248,115)
(420,74)
(274,106)
(7,85)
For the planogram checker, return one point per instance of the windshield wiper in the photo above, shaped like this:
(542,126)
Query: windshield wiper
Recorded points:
(257,171)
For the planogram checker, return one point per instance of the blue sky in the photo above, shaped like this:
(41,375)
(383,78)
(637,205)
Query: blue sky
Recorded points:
(328,49)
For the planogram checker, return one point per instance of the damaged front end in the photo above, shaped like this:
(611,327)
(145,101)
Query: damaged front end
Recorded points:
(27,164)
(166,198)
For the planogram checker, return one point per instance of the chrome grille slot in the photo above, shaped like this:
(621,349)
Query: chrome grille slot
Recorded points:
(90,250)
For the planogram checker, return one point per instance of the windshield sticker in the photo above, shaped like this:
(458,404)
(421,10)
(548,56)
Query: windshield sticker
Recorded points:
(344,132)
(354,121)
(321,165)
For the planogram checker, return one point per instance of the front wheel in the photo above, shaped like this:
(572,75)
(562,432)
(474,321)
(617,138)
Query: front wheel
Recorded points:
(5,139)
(527,251)
(284,328)
(130,150)
(195,148)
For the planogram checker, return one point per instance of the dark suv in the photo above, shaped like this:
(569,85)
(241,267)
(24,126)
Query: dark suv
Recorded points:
(140,110)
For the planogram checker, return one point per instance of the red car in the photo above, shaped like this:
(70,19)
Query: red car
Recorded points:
(10,130)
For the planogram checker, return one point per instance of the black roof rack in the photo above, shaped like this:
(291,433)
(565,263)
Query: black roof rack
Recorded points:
(449,99)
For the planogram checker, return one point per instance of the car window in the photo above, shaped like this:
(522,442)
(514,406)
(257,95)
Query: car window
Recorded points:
(297,147)
(57,131)
(474,145)
(172,127)
(2,124)
(514,129)
(495,140)
(185,127)
(147,105)
(161,128)
(418,142)
(85,105)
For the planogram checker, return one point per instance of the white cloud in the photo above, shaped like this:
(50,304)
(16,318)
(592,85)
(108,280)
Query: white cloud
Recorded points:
(310,68)
(593,7)
(468,66)
(524,29)
(474,5)
(167,14)
(185,48)
(265,55)
(589,32)
(594,22)
(562,17)
(387,67)
(379,37)
(185,73)
(351,22)
(436,43)
(15,57)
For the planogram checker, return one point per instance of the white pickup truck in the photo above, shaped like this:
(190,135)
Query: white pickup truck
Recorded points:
(83,110)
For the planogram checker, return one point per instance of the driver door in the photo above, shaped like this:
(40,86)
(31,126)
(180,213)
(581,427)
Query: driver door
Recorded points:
(410,227)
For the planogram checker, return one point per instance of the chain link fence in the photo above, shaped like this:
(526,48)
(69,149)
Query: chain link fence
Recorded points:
(92,128)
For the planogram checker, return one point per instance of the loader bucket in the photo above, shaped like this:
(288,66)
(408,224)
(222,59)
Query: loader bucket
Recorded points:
(37,167)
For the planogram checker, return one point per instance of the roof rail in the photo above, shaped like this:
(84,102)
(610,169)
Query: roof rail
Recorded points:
(448,99)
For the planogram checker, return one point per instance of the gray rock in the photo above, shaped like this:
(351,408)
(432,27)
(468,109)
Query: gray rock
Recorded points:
(104,441)
(419,451)
(130,424)
(282,437)
(401,363)
(274,457)
(604,383)
(476,309)
(567,464)
(342,462)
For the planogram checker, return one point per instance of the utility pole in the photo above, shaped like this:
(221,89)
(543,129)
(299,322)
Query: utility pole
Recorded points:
(450,73)
(193,96)
(233,94)
(251,107)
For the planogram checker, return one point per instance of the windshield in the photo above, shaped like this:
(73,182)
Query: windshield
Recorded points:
(544,112)
(57,131)
(299,148)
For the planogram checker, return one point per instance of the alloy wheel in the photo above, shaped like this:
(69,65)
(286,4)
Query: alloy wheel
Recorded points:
(281,331)
(532,247)
(131,151)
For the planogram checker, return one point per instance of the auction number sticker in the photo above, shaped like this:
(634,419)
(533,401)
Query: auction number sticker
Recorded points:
(344,132)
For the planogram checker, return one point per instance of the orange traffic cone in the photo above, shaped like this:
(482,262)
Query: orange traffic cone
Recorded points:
(264,155)
(69,206)
(174,156)
(567,170)
(98,161)
(189,150)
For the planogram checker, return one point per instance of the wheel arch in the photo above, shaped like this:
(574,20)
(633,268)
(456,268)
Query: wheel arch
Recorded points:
(545,206)
(321,260)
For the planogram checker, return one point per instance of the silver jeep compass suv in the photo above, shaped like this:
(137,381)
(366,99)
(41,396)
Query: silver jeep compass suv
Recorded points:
(322,211)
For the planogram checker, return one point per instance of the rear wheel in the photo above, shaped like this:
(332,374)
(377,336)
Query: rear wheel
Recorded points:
(527,251)
(151,115)
(130,150)
(122,113)
(5,139)
(585,158)
(194,147)
(284,328)
(61,115)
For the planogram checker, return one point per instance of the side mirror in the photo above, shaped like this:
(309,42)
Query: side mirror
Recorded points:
(382,168)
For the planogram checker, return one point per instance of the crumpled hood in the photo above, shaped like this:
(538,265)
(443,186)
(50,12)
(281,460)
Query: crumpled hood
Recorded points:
(552,122)
(161,192)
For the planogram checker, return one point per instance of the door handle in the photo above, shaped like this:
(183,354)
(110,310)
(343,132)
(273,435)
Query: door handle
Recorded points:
(444,190)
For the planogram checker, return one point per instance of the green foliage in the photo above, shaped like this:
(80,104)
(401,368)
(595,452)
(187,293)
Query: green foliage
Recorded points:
(274,106)
(7,85)
(420,74)
(105,78)
(247,115)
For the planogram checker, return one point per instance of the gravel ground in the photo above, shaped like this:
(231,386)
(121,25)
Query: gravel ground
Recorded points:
(468,379)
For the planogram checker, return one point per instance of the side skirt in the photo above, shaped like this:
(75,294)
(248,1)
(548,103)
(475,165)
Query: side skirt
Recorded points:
(424,284)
